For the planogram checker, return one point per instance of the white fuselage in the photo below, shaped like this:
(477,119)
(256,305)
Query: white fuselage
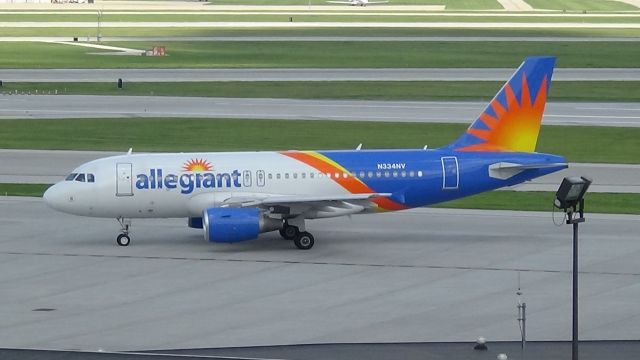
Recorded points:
(157,185)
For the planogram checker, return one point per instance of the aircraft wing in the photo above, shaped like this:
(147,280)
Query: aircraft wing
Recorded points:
(339,2)
(310,205)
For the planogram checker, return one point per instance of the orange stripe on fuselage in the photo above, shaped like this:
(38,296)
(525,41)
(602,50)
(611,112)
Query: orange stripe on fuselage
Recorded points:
(350,182)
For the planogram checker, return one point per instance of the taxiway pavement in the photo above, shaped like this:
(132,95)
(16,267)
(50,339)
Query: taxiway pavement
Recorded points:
(92,106)
(358,74)
(51,166)
(419,275)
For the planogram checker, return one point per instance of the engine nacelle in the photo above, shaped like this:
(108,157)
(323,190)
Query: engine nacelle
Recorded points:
(236,224)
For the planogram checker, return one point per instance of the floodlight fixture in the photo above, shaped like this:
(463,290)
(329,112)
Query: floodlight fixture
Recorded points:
(571,192)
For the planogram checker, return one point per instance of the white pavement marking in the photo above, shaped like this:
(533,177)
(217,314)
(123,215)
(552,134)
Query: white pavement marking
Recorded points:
(635,3)
(274,24)
(127,51)
(515,5)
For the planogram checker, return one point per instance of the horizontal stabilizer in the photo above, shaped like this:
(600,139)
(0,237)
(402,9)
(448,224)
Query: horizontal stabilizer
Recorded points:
(506,170)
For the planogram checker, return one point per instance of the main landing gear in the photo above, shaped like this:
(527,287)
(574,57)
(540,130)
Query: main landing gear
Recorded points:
(123,239)
(302,239)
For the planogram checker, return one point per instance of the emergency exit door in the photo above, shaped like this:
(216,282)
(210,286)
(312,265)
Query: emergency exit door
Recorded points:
(124,180)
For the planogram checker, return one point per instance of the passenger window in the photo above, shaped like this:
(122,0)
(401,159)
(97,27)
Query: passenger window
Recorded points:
(403,174)
(378,174)
(370,174)
(270,176)
(412,173)
(91,178)
(395,174)
(311,175)
(303,175)
(71,176)
(344,175)
(419,173)
(286,175)
(386,174)
(320,175)
(80,177)
(361,174)
(278,176)
(295,175)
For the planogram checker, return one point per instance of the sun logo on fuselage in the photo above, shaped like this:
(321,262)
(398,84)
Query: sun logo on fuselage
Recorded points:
(197,165)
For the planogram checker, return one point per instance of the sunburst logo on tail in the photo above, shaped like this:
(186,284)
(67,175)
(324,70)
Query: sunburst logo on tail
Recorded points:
(511,121)
(197,165)
(514,126)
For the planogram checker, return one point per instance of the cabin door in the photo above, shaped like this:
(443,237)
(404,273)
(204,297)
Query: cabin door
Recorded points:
(450,174)
(124,180)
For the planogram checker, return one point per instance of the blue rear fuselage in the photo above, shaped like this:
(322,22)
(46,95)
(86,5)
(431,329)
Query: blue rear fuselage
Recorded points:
(424,177)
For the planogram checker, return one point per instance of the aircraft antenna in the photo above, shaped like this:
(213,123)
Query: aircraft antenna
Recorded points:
(130,151)
(359,146)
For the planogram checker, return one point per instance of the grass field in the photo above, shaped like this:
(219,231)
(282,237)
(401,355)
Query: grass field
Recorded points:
(361,31)
(322,54)
(494,200)
(578,5)
(543,200)
(449,4)
(606,144)
(369,90)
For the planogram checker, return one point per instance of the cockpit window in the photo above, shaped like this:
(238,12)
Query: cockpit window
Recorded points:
(91,178)
(80,177)
(71,176)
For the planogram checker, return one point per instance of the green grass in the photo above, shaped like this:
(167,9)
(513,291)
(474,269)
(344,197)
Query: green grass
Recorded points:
(23,189)
(608,203)
(605,144)
(579,5)
(494,200)
(322,54)
(449,4)
(361,31)
(370,90)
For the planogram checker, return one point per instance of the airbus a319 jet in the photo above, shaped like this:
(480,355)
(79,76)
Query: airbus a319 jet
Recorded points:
(235,196)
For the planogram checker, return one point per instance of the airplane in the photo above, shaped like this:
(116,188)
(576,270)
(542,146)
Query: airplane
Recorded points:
(235,196)
(357,2)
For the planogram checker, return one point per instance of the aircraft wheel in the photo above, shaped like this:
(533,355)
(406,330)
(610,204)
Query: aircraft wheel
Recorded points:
(304,241)
(123,240)
(289,232)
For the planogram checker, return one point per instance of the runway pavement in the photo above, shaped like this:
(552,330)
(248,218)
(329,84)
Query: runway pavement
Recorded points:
(88,106)
(357,74)
(51,166)
(420,275)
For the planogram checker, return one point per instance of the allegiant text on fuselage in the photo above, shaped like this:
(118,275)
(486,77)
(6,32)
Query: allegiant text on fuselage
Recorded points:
(187,182)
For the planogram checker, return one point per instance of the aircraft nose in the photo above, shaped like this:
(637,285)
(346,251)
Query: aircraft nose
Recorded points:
(53,197)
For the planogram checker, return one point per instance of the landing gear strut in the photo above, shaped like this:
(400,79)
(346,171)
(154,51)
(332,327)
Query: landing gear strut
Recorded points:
(289,232)
(123,239)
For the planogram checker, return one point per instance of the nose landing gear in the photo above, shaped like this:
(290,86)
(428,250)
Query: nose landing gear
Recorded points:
(123,239)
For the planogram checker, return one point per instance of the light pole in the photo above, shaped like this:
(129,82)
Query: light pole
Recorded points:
(570,198)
